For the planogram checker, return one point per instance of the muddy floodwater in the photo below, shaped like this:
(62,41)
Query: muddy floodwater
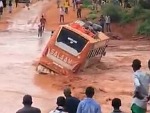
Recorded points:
(18,51)
(20,48)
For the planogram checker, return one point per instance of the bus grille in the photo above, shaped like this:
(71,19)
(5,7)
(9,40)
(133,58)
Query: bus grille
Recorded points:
(96,52)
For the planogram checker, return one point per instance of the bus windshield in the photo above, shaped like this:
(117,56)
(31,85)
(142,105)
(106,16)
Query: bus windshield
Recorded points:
(71,41)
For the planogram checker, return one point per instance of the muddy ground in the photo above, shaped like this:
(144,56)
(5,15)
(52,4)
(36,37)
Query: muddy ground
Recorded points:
(20,48)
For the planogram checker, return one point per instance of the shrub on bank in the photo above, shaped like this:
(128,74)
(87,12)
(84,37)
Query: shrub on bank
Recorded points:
(87,4)
(92,16)
(145,4)
(135,14)
(124,16)
(144,28)
(114,11)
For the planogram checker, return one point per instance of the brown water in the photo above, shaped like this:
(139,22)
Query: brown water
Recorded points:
(20,48)
(18,51)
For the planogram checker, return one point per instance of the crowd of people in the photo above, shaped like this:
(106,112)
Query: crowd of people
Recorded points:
(101,3)
(71,104)
(64,7)
(9,3)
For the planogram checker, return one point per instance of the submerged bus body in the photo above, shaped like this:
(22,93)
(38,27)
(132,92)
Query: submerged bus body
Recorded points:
(71,48)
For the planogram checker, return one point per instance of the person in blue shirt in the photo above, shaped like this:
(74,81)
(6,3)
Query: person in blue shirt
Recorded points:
(71,102)
(89,105)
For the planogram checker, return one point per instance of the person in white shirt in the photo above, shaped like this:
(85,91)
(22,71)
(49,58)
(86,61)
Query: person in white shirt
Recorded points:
(61,101)
(61,12)
(107,21)
(1,8)
(141,83)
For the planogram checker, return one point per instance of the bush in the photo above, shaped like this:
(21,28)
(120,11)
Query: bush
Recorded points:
(144,28)
(136,13)
(92,16)
(126,18)
(113,11)
(144,16)
(145,3)
(86,3)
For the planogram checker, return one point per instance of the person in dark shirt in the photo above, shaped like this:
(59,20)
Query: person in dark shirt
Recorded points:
(27,102)
(116,103)
(71,102)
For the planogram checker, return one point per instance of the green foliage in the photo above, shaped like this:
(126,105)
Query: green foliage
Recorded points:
(145,4)
(87,3)
(93,12)
(126,18)
(113,11)
(144,28)
(136,13)
(92,16)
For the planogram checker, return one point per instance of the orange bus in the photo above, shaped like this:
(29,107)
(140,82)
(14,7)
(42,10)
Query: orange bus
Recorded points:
(71,48)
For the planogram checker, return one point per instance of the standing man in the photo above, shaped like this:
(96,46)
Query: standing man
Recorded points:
(66,5)
(107,21)
(102,22)
(16,2)
(10,6)
(27,102)
(71,102)
(89,105)
(58,3)
(1,9)
(43,22)
(61,14)
(79,8)
(141,82)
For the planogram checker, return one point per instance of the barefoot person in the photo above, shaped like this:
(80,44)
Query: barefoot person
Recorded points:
(141,82)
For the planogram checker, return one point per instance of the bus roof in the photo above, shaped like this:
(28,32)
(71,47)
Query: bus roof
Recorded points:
(99,37)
